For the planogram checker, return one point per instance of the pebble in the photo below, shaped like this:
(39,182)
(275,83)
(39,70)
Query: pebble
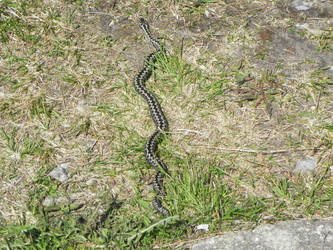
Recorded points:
(306,165)
(60,172)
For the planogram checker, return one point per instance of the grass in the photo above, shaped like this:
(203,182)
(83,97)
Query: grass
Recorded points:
(237,130)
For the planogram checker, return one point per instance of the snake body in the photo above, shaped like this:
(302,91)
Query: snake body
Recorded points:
(158,117)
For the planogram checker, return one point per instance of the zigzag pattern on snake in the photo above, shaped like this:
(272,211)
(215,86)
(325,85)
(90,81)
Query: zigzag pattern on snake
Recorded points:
(158,117)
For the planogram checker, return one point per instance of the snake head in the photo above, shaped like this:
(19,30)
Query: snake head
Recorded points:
(144,24)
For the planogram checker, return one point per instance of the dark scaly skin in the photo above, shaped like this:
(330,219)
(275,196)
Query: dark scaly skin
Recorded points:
(158,117)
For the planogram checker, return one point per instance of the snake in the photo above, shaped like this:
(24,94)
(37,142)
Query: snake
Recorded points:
(157,115)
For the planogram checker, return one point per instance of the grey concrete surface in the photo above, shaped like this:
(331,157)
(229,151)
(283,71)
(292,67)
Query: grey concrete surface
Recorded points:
(289,235)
